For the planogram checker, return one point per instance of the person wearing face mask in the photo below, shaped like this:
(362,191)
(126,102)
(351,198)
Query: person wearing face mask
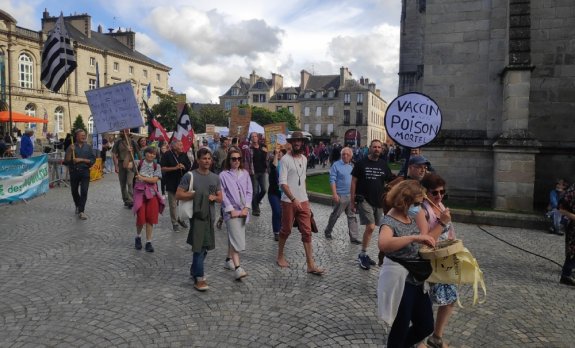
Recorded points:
(402,301)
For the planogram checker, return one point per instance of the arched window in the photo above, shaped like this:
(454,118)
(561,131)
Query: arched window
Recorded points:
(30,110)
(25,71)
(59,119)
(91,125)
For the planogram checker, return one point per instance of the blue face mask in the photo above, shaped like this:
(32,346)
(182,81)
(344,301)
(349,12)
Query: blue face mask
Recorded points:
(413,210)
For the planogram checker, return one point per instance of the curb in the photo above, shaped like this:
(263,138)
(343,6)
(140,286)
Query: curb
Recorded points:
(476,217)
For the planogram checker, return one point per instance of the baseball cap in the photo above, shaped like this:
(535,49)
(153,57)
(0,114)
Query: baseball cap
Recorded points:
(417,160)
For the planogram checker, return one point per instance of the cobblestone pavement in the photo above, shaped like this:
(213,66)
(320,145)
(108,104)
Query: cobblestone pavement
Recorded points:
(71,283)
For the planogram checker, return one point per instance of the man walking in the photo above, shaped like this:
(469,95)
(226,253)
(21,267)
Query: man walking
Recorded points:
(80,158)
(295,203)
(255,162)
(340,182)
(367,184)
(123,151)
(174,163)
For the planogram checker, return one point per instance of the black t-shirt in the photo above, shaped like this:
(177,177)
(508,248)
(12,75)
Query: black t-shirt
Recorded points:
(371,178)
(259,158)
(172,178)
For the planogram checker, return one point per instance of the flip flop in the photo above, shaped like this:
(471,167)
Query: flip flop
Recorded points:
(316,271)
(280,266)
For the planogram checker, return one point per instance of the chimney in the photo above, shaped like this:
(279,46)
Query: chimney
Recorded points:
(372,87)
(361,81)
(344,75)
(128,38)
(277,82)
(100,28)
(303,80)
(253,77)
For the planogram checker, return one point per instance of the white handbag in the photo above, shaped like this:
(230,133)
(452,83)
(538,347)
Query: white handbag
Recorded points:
(186,208)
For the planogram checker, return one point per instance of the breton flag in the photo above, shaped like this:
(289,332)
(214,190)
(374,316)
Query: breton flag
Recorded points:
(184,130)
(58,59)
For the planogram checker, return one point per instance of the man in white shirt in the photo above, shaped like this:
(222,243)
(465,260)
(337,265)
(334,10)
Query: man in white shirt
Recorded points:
(295,203)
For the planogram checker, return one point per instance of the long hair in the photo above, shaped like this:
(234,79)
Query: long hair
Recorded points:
(228,163)
(403,195)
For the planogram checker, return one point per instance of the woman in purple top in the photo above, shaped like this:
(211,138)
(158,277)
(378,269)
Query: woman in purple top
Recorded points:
(237,198)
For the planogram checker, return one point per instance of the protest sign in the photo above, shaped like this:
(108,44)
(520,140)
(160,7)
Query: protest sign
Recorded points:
(210,129)
(413,119)
(272,131)
(240,122)
(23,179)
(114,107)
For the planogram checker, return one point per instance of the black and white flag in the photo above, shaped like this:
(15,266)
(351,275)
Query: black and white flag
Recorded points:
(58,60)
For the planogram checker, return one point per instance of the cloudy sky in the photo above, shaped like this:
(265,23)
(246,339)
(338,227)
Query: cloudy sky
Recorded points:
(210,44)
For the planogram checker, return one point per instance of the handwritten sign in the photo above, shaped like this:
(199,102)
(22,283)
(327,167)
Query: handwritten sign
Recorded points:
(240,122)
(413,119)
(210,129)
(271,133)
(114,107)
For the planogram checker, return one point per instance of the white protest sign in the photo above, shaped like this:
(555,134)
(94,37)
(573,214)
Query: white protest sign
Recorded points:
(413,119)
(114,107)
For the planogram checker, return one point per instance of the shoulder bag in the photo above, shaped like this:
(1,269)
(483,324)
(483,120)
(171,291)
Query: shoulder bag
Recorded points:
(186,208)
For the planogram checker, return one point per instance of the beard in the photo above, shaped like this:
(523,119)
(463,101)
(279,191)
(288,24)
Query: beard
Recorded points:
(297,151)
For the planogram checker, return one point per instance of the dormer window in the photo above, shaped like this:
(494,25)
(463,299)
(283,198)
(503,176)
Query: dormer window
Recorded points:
(259,85)
(307,95)
(235,91)
(318,95)
(331,94)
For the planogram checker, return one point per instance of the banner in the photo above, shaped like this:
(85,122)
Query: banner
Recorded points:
(240,122)
(271,133)
(23,179)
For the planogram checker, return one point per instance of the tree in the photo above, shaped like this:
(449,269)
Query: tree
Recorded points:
(166,111)
(283,115)
(264,116)
(79,124)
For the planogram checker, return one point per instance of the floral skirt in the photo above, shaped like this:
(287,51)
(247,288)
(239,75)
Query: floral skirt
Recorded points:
(443,294)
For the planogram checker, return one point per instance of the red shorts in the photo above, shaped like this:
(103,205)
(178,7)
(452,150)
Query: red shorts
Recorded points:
(303,217)
(148,212)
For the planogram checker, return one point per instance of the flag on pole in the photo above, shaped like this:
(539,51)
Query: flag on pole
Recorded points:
(158,133)
(149,91)
(184,130)
(97,76)
(58,60)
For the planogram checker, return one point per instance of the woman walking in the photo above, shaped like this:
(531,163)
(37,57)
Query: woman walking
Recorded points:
(237,197)
(402,302)
(439,221)
(148,202)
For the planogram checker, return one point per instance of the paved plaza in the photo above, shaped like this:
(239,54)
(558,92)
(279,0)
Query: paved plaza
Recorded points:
(71,283)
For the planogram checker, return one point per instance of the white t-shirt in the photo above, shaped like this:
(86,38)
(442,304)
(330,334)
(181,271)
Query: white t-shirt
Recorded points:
(293,173)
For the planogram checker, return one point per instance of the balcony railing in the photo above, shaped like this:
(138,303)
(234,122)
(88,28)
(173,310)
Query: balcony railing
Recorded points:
(28,33)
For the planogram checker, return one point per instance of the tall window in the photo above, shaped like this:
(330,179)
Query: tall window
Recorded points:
(227,104)
(330,111)
(92,61)
(346,114)
(158,77)
(347,98)
(306,111)
(306,127)
(359,118)
(318,111)
(360,98)
(319,94)
(30,110)
(92,84)
(145,73)
(131,70)
(26,70)
(59,119)
(235,91)
(116,66)
(290,109)
(91,125)
(318,129)
(329,128)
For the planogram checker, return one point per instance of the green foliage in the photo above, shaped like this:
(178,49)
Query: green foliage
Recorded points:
(263,116)
(166,111)
(79,124)
(209,114)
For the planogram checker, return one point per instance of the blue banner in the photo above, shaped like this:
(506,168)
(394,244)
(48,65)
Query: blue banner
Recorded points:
(23,178)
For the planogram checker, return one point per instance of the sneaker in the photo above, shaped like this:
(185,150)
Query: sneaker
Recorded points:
(176,228)
(83,216)
(371,262)
(220,223)
(229,264)
(149,247)
(201,285)
(355,241)
(240,273)
(183,223)
(138,245)
(567,281)
(435,342)
(328,236)
(364,261)
(256,213)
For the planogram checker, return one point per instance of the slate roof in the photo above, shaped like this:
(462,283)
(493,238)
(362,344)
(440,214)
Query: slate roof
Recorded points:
(243,83)
(322,82)
(106,42)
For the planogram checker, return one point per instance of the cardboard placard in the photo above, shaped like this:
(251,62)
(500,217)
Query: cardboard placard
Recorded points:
(271,133)
(413,120)
(210,129)
(240,122)
(114,107)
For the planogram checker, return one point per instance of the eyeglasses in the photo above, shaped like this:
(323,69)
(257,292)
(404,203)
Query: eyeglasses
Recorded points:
(235,159)
(437,192)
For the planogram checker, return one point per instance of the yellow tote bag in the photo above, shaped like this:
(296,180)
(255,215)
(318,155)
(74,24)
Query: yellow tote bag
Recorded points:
(459,268)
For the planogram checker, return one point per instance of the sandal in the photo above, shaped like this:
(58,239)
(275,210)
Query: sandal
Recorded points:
(435,342)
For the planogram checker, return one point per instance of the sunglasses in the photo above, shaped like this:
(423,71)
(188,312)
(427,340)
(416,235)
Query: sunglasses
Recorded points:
(233,159)
(437,192)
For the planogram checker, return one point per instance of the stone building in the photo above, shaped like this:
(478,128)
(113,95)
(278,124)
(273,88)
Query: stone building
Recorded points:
(331,107)
(502,73)
(114,53)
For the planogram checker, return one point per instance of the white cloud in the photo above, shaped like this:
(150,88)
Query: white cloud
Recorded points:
(24,12)
(148,46)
